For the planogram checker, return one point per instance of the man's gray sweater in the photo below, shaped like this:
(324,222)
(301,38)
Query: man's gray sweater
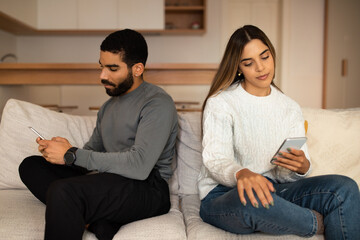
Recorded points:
(134,133)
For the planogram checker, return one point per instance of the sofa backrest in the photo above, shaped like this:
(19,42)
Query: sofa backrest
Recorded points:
(188,151)
(333,141)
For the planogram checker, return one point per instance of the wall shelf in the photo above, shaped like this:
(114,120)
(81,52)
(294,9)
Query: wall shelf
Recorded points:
(88,74)
(185,15)
(184,8)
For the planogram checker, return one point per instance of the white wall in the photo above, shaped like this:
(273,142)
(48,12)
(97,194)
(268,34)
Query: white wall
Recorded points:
(7,45)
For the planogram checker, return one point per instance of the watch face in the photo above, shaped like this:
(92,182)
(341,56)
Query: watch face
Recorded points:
(69,158)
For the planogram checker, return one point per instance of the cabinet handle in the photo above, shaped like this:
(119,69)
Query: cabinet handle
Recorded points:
(344,67)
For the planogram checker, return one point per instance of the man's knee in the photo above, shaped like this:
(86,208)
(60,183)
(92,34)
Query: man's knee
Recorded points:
(26,166)
(60,192)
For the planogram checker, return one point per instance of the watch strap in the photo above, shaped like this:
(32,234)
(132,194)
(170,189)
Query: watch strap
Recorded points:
(72,149)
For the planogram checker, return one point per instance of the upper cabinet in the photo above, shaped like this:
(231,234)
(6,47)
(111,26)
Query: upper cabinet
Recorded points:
(20,10)
(95,14)
(265,14)
(101,17)
(57,15)
(141,14)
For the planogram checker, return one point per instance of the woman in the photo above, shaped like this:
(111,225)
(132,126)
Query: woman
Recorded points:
(245,120)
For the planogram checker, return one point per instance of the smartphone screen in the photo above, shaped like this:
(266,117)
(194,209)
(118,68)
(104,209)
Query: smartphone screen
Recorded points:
(295,143)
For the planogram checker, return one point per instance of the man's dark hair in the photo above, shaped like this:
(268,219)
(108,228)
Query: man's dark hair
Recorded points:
(130,44)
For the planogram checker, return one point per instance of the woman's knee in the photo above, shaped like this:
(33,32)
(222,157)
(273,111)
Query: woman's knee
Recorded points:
(237,219)
(345,186)
(343,182)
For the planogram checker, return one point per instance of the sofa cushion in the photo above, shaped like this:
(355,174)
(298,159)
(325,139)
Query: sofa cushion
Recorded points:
(18,141)
(198,230)
(189,148)
(23,217)
(333,141)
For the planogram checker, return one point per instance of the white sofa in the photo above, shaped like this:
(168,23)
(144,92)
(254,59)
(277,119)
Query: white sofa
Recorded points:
(333,140)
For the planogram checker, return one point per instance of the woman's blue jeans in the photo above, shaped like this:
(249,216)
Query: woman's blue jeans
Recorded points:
(336,197)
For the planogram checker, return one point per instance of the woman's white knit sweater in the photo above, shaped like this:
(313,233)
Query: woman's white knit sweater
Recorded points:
(241,130)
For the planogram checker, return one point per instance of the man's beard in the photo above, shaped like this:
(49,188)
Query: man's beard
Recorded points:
(121,88)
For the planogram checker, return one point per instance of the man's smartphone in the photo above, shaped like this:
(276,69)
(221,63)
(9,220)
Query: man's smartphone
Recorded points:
(295,143)
(37,133)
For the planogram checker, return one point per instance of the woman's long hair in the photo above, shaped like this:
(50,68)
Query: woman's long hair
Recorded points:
(227,74)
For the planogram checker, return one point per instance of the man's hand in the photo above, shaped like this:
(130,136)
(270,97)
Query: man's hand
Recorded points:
(252,182)
(295,161)
(54,150)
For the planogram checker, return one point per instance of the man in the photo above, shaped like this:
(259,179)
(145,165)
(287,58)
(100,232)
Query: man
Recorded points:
(121,173)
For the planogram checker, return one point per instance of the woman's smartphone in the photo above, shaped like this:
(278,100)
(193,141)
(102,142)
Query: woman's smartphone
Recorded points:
(37,133)
(295,143)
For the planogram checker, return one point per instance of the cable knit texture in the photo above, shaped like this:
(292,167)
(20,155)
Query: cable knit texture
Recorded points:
(244,131)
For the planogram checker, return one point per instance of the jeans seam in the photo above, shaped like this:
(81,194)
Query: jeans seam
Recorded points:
(315,225)
(342,221)
(243,215)
(312,233)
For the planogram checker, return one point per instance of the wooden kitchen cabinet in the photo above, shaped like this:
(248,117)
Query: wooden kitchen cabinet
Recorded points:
(57,15)
(93,17)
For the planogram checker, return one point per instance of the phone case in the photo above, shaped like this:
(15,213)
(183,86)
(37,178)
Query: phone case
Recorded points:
(295,143)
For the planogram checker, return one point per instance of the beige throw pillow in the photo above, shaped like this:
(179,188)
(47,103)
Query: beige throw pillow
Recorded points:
(334,142)
(17,141)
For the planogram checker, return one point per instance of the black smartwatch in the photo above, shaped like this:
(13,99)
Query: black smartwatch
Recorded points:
(70,156)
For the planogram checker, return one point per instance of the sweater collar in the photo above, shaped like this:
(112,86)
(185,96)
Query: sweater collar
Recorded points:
(248,95)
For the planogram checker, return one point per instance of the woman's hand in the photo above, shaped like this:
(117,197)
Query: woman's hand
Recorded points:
(53,150)
(252,182)
(295,161)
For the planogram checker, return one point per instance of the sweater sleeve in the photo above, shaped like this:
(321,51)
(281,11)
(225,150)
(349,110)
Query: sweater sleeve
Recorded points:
(218,152)
(297,130)
(95,142)
(158,121)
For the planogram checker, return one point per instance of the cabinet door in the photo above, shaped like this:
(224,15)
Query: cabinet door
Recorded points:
(57,15)
(264,14)
(22,10)
(95,14)
(343,55)
(141,14)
